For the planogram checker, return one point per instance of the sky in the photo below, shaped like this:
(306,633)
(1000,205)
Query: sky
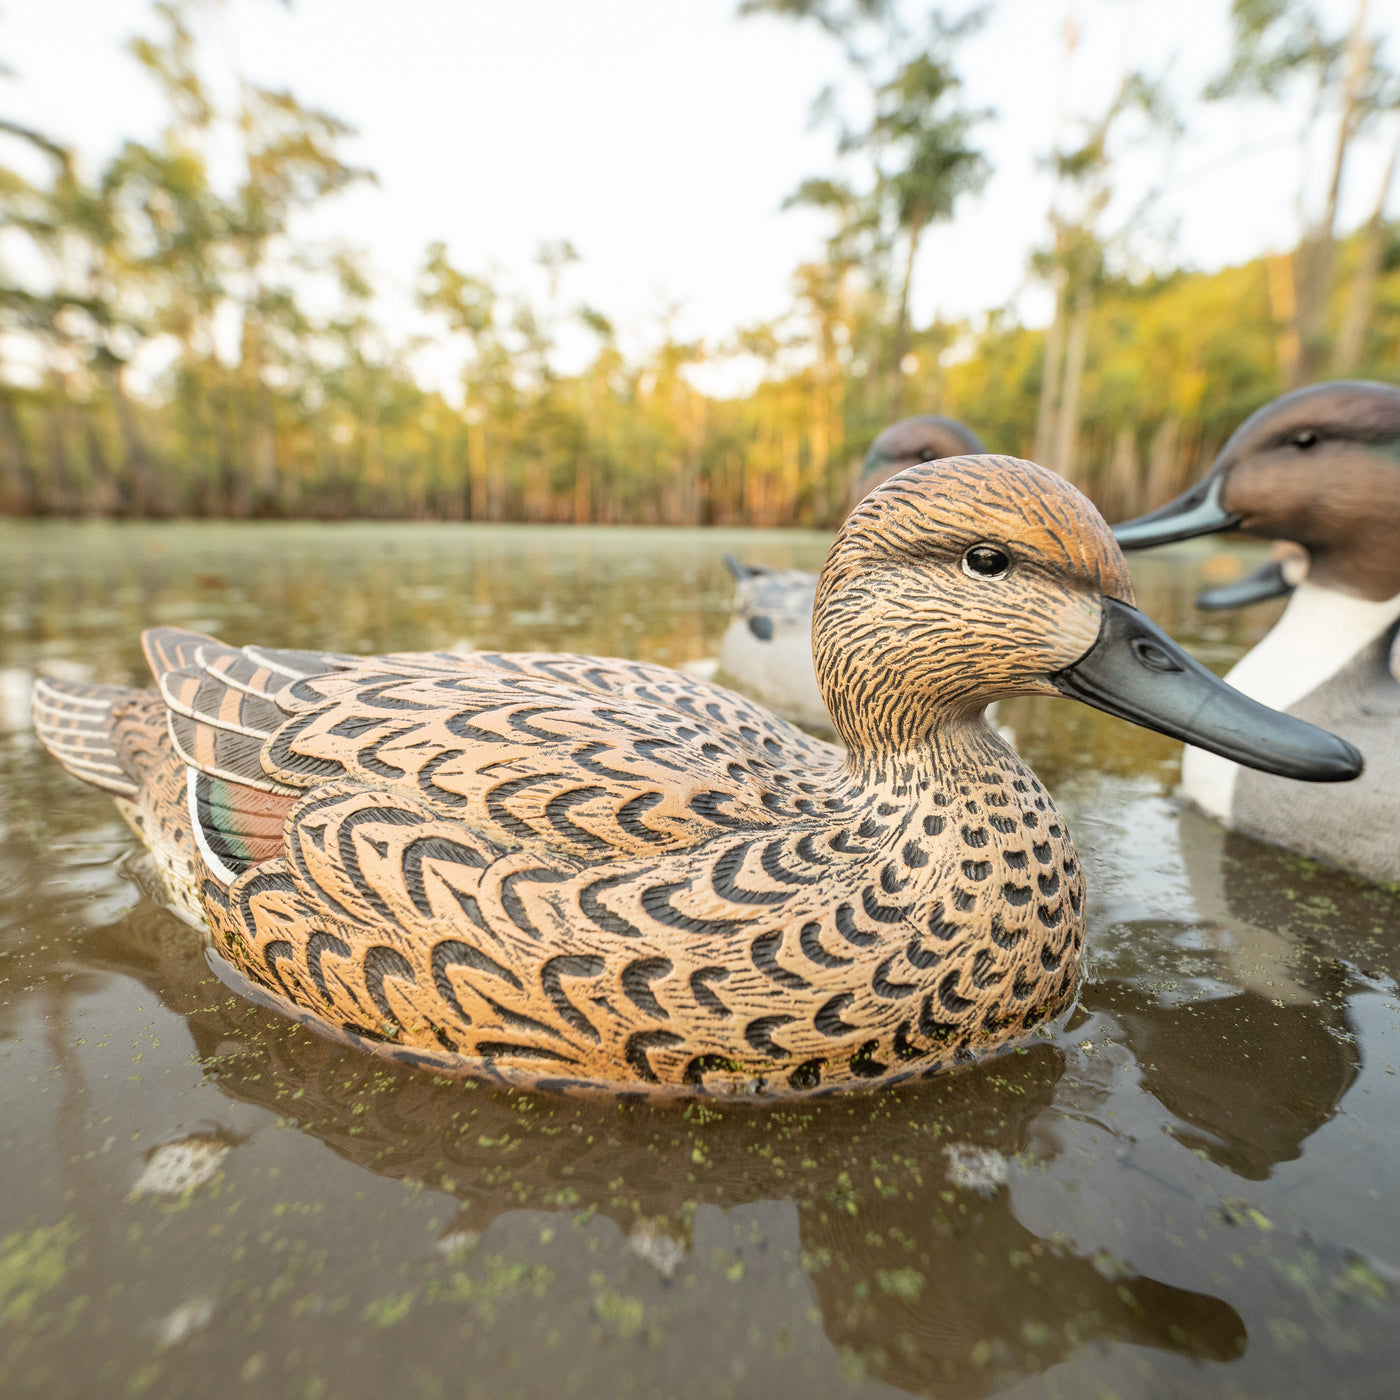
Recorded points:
(661,137)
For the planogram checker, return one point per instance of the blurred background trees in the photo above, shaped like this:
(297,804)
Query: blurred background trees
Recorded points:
(280,395)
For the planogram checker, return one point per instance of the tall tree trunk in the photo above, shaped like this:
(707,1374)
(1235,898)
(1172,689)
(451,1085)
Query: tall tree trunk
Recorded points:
(901,324)
(142,494)
(1123,490)
(98,494)
(1283,304)
(1076,350)
(60,493)
(1362,293)
(261,427)
(1047,414)
(19,494)
(1161,461)
(479,507)
(1317,251)
(819,440)
(697,425)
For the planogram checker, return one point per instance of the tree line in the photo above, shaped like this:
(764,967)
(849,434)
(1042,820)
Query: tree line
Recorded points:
(270,404)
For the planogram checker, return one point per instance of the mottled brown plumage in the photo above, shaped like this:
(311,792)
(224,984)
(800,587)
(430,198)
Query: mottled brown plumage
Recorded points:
(589,873)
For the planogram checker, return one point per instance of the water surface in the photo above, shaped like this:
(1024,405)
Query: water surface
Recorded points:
(1188,1190)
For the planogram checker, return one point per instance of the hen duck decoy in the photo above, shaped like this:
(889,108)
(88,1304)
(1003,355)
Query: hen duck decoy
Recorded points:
(570,872)
(767,648)
(1320,468)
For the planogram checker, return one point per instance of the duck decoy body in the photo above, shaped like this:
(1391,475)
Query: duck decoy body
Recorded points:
(582,873)
(1320,469)
(767,648)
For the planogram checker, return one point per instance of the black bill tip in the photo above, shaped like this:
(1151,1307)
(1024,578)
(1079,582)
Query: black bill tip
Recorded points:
(1135,671)
(1194,512)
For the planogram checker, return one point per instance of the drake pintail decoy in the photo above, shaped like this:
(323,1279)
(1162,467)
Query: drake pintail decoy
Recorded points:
(1320,468)
(767,648)
(576,873)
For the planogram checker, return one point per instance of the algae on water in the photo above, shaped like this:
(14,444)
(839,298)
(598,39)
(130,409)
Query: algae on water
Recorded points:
(32,1263)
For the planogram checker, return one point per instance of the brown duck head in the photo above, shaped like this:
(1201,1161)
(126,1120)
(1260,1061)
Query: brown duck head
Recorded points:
(923,438)
(973,579)
(1319,467)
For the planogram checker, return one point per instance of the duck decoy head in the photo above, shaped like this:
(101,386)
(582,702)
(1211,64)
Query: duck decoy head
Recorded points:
(973,579)
(740,571)
(1319,467)
(923,438)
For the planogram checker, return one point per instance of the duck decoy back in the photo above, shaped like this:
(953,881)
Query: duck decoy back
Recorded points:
(591,874)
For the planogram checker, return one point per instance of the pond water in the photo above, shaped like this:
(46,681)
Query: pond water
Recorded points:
(1189,1189)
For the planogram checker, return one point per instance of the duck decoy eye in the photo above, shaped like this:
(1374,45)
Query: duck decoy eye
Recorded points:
(986,561)
(1304,440)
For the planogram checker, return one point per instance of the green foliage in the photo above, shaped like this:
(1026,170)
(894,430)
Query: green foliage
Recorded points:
(314,412)
(1274,42)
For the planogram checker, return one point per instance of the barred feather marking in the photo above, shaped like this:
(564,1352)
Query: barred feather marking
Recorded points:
(73,721)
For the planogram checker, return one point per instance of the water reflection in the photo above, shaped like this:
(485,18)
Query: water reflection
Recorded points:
(1252,1070)
(902,1202)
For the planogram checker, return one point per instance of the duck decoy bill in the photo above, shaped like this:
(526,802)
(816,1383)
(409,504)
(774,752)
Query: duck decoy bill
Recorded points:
(1267,581)
(1197,511)
(1136,672)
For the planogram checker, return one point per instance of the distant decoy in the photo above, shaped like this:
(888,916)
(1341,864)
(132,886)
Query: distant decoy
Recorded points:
(1319,467)
(1286,569)
(767,649)
(589,874)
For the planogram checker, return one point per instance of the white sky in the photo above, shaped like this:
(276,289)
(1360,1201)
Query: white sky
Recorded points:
(661,136)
